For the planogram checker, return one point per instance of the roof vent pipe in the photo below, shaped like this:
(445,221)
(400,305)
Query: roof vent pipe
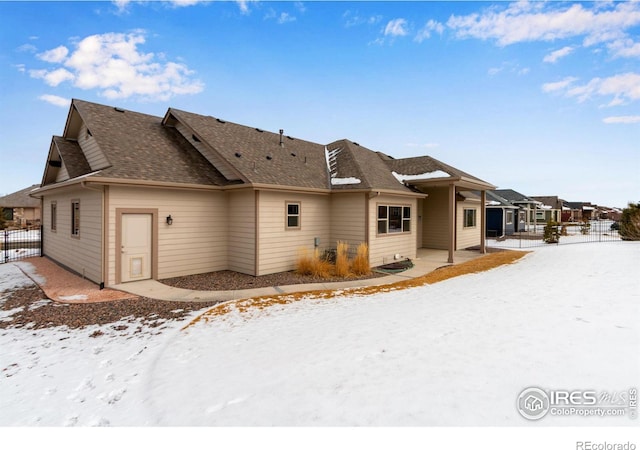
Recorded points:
(281,138)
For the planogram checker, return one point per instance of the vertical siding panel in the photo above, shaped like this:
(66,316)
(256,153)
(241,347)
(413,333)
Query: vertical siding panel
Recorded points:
(196,242)
(434,219)
(92,152)
(348,218)
(467,237)
(279,247)
(382,248)
(80,254)
(241,231)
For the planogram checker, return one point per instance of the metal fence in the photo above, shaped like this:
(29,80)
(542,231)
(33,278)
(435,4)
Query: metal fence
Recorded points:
(20,244)
(567,233)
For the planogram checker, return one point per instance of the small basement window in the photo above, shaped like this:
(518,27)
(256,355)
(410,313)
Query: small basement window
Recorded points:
(293,215)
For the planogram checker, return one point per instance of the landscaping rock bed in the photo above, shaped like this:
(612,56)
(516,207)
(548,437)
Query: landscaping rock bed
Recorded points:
(226,280)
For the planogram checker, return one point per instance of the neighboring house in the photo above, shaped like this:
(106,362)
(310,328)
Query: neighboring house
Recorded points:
(607,213)
(549,209)
(580,211)
(528,208)
(129,196)
(21,210)
(502,216)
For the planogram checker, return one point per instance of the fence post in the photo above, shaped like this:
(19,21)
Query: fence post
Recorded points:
(41,240)
(5,244)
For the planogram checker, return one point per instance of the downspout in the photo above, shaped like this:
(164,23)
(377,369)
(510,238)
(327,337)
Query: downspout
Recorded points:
(483,221)
(451,222)
(41,227)
(84,185)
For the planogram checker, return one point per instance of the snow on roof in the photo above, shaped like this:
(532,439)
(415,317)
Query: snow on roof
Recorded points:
(335,181)
(422,176)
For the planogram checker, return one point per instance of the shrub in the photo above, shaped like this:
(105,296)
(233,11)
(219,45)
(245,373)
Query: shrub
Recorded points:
(342,260)
(360,264)
(312,265)
(551,234)
(585,226)
(630,223)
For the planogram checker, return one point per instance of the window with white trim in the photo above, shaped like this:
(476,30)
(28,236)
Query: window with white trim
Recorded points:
(293,215)
(509,217)
(469,216)
(394,219)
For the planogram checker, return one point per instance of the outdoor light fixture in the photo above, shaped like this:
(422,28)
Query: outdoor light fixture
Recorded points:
(169,220)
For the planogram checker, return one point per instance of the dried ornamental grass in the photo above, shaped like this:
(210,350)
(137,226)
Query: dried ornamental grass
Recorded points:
(312,265)
(360,264)
(342,260)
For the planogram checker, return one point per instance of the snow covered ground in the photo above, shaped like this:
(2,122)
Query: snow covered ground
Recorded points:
(454,353)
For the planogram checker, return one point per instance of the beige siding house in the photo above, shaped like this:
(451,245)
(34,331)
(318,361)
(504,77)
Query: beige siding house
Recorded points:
(20,209)
(129,196)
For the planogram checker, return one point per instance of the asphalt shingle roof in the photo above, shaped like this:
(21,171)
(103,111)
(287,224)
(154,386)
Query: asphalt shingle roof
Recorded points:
(426,164)
(513,196)
(139,147)
(20,199)
(72,156)
(354,160)
(261,160)
(185,147)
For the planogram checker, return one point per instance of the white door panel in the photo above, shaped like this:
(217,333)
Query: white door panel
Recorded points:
(136,247)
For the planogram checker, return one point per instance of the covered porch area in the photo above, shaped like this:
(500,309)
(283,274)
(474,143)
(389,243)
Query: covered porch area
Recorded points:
(452,218)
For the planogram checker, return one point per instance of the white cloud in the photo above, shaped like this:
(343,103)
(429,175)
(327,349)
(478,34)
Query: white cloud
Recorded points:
(556,55)
(28,48)
(286,18)
(622,119)
(352,19)
(623,88)
(113,64)
(56,100)
(558,85)
(429,27)
(123,4)
(509,67)
(396,27)
(539,21)
(626,48)
(53,77)
(55,55)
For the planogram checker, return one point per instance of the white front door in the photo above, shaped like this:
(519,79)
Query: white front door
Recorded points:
(136,247)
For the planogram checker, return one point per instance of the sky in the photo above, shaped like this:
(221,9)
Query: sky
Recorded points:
(539,97)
